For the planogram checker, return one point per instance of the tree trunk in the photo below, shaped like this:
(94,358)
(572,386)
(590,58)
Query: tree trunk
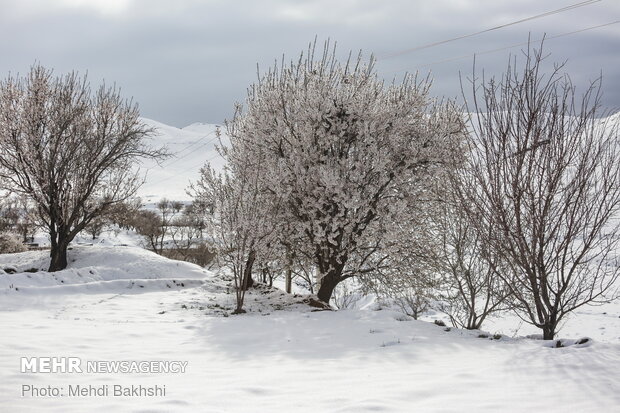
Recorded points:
(328,283)
(288,277)
(549,330)
(58,256)
(247,281)
(288,285)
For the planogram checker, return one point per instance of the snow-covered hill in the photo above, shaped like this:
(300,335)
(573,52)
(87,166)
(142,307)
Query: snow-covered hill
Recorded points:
(190,148)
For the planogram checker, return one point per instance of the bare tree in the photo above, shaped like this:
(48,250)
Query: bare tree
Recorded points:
(185,235)
(69,150)
(168,211)
(95,226)
(542,186)
(123,214)
(404,273)
(470,288)
(148,224)
(10,243)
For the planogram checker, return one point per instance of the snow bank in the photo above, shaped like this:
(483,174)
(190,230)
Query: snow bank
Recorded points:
(97,269)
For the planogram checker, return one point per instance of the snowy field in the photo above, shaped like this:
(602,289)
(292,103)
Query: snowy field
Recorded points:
(127,304)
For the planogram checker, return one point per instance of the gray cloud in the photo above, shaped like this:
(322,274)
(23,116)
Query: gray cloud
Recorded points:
(189,60)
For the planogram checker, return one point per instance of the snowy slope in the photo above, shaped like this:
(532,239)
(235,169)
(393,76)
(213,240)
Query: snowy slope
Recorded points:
(190,148)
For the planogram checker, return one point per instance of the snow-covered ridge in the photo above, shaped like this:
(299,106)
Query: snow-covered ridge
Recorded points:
(191,147)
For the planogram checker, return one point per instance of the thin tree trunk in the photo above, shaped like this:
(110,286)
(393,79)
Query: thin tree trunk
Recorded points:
(247,281)
(289,270)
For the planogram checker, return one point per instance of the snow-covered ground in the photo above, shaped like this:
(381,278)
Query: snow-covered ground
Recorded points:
(117,302)
(124,303)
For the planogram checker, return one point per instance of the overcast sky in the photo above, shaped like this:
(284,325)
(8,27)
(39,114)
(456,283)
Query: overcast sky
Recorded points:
(188,61)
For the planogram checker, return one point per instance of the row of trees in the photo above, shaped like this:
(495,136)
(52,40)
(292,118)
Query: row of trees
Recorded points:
(174,229)
(334,174)
(17,217)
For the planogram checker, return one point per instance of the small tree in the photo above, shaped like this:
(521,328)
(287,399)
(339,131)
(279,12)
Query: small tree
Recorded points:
(95,226)
(69,150)
(413,293)
(544,174)
(470,289)
(239,223)
(123,214)
(148,224)
(185,235)
(168,210)
(17,216)
(404,274)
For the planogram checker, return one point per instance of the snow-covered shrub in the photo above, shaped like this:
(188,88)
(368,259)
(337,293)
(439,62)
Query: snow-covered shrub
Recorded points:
(10,243)
(413,301)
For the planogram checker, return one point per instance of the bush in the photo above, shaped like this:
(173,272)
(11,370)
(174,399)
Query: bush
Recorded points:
(10,243)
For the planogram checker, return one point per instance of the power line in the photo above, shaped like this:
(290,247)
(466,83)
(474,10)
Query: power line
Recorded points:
(189,153)
(501,26)
(512,46)
(193,143)
(175,159)
(200,139)
(185,170)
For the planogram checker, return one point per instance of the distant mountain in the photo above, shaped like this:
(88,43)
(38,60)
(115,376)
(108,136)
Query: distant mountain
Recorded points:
(190,147)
